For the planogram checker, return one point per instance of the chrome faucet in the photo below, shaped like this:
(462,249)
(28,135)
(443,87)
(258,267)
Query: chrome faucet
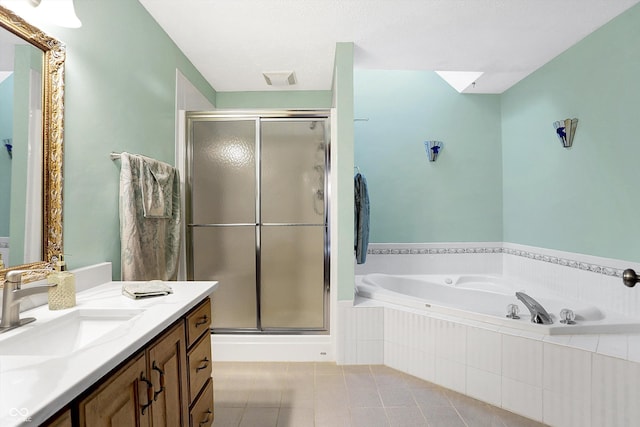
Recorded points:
(12,295)
(538,313)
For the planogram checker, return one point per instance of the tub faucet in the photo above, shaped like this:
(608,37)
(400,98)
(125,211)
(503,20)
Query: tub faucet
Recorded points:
(538,313)
(12,295)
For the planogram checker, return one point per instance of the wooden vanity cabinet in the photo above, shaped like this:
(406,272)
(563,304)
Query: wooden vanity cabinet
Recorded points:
(117,400)
(166,364)
(60,420)
(155,388)
(150,391)
(199,365)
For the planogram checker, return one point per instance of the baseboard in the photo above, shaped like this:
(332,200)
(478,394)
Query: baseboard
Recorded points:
(272,348)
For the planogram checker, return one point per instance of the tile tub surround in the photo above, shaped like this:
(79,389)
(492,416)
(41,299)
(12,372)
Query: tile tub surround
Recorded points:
(571,381)
(588,380)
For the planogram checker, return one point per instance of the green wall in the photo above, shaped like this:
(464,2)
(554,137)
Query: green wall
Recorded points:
(503,175)
(26,59)
(456,198)
(6,131)
(342,169)
(275,99)
(120,96)
(585,199)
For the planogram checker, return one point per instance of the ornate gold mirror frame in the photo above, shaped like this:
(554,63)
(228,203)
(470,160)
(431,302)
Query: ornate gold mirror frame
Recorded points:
(52,134)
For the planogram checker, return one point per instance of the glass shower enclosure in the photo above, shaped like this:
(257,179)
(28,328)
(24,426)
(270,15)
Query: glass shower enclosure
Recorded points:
(257,218)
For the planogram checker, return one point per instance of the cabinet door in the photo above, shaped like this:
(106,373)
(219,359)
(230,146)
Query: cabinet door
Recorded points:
(120,401)
(168,372)
(202,411)
(199,360)
(62,420)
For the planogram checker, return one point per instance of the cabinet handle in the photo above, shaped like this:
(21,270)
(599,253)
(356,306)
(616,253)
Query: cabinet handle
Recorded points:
(149,392)
(205,364)
(161,381)
(204,320)
(207,420)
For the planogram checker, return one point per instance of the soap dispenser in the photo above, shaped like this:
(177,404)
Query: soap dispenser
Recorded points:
(63,294)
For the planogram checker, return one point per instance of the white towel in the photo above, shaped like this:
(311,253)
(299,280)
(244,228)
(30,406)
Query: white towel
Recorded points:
(154,288)
(149,244)
(157,181)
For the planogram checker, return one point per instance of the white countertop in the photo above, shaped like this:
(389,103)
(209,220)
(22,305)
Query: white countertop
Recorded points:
(33,388)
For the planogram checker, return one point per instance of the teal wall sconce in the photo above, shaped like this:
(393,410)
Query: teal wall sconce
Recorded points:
(433,149)
(8,144)
(566,130)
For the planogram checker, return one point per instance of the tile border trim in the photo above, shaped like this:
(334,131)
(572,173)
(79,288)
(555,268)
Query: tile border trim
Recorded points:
(564,262)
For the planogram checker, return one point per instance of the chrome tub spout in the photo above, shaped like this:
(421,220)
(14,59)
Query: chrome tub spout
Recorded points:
(538,313)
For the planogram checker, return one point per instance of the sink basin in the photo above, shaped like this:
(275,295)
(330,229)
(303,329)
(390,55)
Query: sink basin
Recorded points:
(66,334)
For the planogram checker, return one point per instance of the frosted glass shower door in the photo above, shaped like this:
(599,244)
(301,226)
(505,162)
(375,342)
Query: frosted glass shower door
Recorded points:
(223,223)
(257,218)
(293,231)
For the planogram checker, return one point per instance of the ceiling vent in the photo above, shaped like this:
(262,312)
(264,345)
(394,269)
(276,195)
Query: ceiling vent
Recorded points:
(280,78)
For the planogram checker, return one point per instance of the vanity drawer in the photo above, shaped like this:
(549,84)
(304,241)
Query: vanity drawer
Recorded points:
(199,361)
(198,321)
(202,412)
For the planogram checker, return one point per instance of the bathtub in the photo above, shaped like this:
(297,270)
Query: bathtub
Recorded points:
(485,299)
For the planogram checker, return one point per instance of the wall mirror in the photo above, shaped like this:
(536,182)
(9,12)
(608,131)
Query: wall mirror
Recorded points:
(34,199)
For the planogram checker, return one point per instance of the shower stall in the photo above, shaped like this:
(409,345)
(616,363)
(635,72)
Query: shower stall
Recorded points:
(257,218)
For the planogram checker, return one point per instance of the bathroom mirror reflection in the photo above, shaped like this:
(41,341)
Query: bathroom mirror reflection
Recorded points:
(31,132)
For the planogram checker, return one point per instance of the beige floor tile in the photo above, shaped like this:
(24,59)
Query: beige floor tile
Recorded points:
(359,380)
(443,416)
(265,398)
(405,417)
(231,398)
(328,368)
(302,368)
(478,414)
(369,417)
(330,381)
(260,417)
(333,421)
(383,379)
(364,397)
(327,395)
(396,396)
(296,417)
(356,369)
(428,397)
(227,417)
(513,420)
(299,397)
(325,412)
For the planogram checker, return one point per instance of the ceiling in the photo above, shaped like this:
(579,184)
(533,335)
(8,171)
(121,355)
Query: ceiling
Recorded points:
(231,42)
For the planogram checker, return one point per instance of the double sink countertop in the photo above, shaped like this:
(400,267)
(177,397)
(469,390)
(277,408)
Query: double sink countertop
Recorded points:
(45,364)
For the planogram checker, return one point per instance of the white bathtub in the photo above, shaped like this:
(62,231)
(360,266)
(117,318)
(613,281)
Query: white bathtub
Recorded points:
(485,299)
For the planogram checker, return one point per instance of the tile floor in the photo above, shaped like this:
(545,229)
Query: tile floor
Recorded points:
(325,394)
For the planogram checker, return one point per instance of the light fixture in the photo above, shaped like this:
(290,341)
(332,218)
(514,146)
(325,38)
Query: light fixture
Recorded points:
(279,78)
(565,131)
(59,12)
(433,148)
(56,12)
